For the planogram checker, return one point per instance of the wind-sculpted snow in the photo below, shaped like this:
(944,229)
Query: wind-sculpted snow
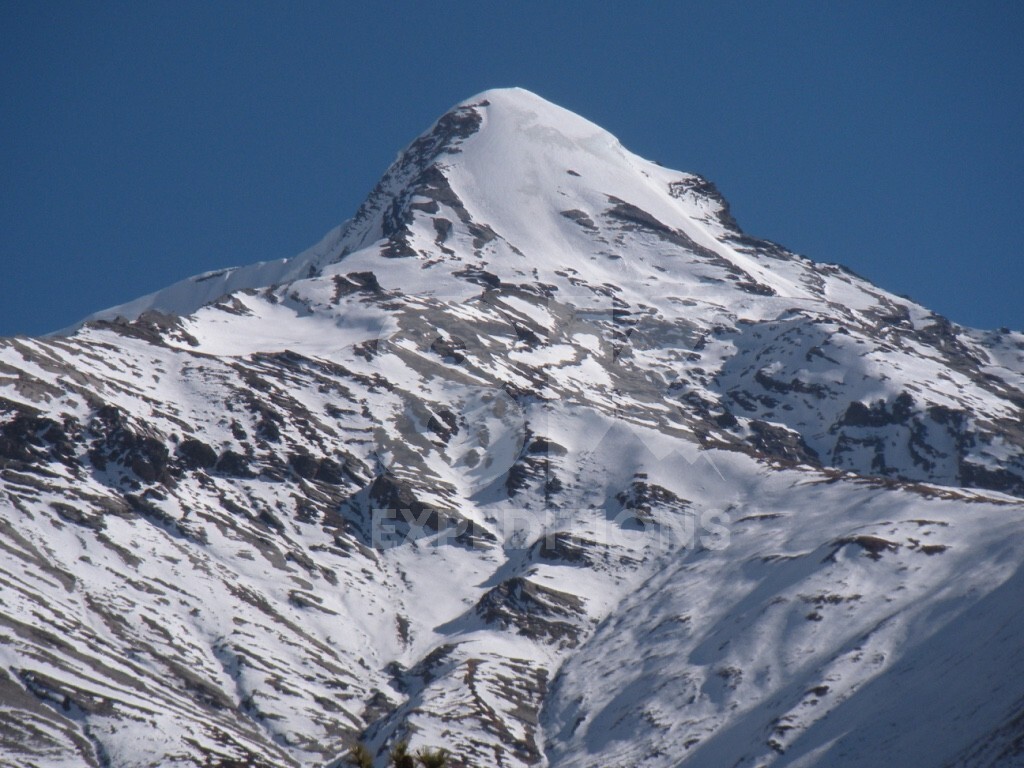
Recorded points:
(538,458)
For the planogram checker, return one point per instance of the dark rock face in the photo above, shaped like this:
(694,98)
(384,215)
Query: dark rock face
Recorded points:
(195,454)
(879,414)
(415,173)
(697,187)
(535,611)
(642,496)
(389,493)
(874,546)
(29,439)
(356,282)
(563,547)
(1002,480)
(152,327)
(234,464)
(534,470)
(323,470)
(115,443)
(781,444)
(580,218)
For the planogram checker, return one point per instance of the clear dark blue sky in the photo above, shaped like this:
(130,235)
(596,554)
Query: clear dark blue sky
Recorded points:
(144,142)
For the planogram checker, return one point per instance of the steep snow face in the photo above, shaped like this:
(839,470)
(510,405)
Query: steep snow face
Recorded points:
(538,457)
(529,189)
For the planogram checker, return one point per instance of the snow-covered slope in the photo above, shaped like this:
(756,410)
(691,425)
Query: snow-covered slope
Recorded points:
(539,458)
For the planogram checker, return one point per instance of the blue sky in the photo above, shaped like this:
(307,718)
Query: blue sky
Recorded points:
(144,142)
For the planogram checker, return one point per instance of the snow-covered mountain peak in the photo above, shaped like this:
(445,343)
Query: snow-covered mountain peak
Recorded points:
(539,457)
(510,169)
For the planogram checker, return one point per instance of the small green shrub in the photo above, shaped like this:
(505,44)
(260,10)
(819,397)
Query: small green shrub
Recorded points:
(436,758)
(360,756)
(401,757)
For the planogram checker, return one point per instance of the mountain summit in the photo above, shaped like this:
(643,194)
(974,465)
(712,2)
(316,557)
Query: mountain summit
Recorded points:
(539,458)
(521,164)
